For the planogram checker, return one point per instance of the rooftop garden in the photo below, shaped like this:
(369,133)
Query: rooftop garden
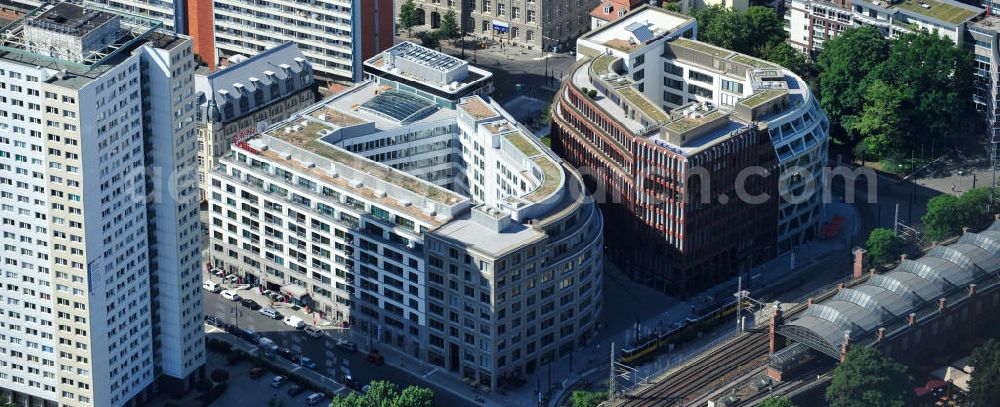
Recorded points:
(751,61)
(946,12)
(337,117)
(762,97)
(308,139)
(637,100)
(476,108)
(522,143)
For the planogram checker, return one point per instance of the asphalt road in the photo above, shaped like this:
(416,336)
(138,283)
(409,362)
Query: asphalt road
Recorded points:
(329,360)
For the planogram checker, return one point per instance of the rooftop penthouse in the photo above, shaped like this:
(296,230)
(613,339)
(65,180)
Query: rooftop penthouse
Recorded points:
(430,74)
(644,26)
(68,36)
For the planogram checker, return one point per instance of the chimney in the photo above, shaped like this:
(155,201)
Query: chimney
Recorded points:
(859,261)
(840,287)
(809,302)
(903,257)
(911,319)
(972,289)
(777,319)
(941,304)
(871,272)
(965,229)
(844,347)
(933,244)
(881,334)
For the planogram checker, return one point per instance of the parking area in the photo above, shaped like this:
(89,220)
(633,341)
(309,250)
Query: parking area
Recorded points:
(246,391)
(330,361)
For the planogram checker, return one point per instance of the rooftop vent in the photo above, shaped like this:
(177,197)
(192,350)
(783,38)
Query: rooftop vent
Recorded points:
(355,183)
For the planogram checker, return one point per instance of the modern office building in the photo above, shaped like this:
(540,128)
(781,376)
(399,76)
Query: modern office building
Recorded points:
(246,98)
(100,213)
(983,39)
(532,24)
(450,233)
(669,129)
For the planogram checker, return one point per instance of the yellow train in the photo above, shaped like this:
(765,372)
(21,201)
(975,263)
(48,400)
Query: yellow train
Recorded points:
(648,347)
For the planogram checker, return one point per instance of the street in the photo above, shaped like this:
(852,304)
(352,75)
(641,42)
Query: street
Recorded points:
(329,360)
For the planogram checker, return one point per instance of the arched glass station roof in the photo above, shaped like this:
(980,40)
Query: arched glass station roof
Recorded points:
(890,297)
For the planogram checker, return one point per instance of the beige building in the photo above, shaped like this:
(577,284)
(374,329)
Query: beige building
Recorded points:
(102,297)
(532,24)
(243,99)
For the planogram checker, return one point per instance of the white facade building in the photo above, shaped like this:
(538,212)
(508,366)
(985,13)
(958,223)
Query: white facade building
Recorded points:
(437,224)
(102,295)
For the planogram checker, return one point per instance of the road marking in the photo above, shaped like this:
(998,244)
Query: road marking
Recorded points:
(296,368)
(435,370)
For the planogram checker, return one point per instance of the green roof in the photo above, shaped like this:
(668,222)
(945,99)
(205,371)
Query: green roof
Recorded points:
(702,47)
(754,62)
(686,124)
(521,143)
(947,12)
(602,64)
(637,100)
(762,97)
(553,177)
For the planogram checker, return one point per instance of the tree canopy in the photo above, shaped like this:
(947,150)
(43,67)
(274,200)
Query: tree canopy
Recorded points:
(449,25)
(984,386)
(867,378)
(896,94)
(947,214)
(745,32)
(776,402)
(385,394)
(408,17)
(883,245)
(582,398)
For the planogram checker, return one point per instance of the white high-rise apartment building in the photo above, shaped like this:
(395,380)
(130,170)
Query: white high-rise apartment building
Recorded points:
(99,209)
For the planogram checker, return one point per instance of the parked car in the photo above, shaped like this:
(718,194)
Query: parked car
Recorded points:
(211,286)
(287,354)
(313,331)
(213,320)
(219,272)
(365,388)
(346,346)
(349,381)
(230,295)
(249,335)
(248,303)
(276,297)
(257,372)
(315,398)
(307,363)
(270,312)
(295,322)
(277,381)
(295,390)
(232,279)
(376,358)
(268,345)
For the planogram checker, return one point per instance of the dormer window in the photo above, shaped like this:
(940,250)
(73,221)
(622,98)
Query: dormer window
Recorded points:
(607,8)
(621,13)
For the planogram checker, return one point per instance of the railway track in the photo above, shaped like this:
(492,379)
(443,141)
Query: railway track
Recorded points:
(688,381)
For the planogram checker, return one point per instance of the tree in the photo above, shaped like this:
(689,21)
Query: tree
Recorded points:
(788,57)
(430,39)
(879,122)
(975,206)
(745,32)
(7,403)
(883,245)
(843,66)
(449,26)
(582,398)
(220,375)
(382,393)
(984,386)
(867,378)
(944,217)
(776,402)
(672,6)
(408,17)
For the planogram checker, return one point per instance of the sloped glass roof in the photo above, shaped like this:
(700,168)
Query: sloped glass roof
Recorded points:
(400,106)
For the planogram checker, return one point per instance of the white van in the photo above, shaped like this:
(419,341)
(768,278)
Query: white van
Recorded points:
(315,398)
(270,312)
(212,286)
(230,295)
(295,322)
